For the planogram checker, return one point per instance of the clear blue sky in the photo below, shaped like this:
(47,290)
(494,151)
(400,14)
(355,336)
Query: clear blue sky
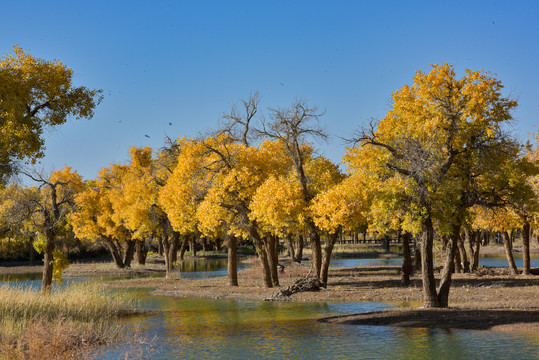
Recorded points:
(188,62)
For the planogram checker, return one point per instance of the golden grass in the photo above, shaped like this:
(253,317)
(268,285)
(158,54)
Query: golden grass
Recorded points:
(65,324)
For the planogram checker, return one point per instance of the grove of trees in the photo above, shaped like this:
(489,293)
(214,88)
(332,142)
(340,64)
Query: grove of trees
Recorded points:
(440,167)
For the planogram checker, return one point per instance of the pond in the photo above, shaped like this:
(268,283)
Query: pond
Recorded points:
(186,328)
(210,329)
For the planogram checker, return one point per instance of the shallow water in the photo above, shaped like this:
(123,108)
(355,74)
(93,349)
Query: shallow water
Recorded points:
(209,329)
(187,328)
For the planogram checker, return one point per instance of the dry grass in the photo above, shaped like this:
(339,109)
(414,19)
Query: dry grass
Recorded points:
(64,325)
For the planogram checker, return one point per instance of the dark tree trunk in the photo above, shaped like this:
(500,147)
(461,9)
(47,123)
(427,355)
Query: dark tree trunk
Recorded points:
(193,246)
(447,271)
(129,252)
(159,246)
(48,261)
(317,252)
(457,262)
(273,259)
(174,247)
(526,248)
(417,255)
(509,253)
(290,246)
(328,249)
(168,255)
(232,244)
(477,250)
(299,248)
(263,256)
(386,244)
(463,255)
(218,244)
(430,297)
(407,268)
(184,246)
(141,251)
(204,244)
(469,247)
(116,252)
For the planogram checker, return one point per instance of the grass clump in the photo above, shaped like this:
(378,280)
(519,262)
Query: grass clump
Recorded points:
(65,324)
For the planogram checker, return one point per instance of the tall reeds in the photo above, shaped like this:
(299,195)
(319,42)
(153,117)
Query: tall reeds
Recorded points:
(68,322)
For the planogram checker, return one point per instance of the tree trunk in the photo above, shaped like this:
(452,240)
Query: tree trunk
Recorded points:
(129,252)
(184,246)
(48,262)
(469,248)
(317,252)
(204,244)
(457,262)
(273,259)
(159,246)
(32,253)
(299,248)
(407,267)
(463,255)
(328,249)
(262,255)
(232,244)
(430,297)
(290,246)
(115,251)
(168,255)
(445,281)
(526,248)
(417,255)
(141,251)
(174,247)
(509,253)
(193,246)
(477,238)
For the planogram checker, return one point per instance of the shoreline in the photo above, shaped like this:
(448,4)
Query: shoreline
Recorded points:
(489,299)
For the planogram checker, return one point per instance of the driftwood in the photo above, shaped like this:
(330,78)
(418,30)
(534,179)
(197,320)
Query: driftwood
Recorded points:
(302,284)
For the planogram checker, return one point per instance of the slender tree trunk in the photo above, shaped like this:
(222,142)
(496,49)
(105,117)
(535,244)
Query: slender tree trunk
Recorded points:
(447,271)
(299,248)
(463,255)
(159,246)
(232,244)
(290,246)
(457,262)
(407,267)
(328,249)
(477,250)
(204,244)
(417,255)
(141,251)
(174,247)
(272,259)
(129,252)
(193,246)
(526,248)
(509,253)
(262,255)
(167,253)
(469,248)
(48,261)
(115,251)
(317,252)
(184,246)
(430,297)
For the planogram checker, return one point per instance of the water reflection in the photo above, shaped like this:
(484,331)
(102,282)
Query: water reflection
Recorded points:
(208,329)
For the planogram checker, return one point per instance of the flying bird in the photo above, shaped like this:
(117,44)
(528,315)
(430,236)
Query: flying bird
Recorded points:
(148,136)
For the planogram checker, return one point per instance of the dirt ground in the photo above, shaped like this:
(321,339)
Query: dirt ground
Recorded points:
(490,299)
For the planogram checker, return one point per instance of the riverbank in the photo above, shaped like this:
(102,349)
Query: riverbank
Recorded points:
(489,299)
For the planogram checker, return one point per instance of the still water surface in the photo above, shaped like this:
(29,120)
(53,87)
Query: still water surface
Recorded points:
(187,328)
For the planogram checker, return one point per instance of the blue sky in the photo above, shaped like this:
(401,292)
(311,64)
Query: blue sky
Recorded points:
(188,62)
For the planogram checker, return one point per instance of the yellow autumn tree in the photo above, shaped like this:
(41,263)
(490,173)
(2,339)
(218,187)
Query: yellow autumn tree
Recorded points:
(35,94)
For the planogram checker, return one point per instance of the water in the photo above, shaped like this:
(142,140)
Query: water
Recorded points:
(187,328)
(490,261)
(223,329)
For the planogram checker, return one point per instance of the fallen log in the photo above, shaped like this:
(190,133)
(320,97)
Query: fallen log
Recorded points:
(301,285)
